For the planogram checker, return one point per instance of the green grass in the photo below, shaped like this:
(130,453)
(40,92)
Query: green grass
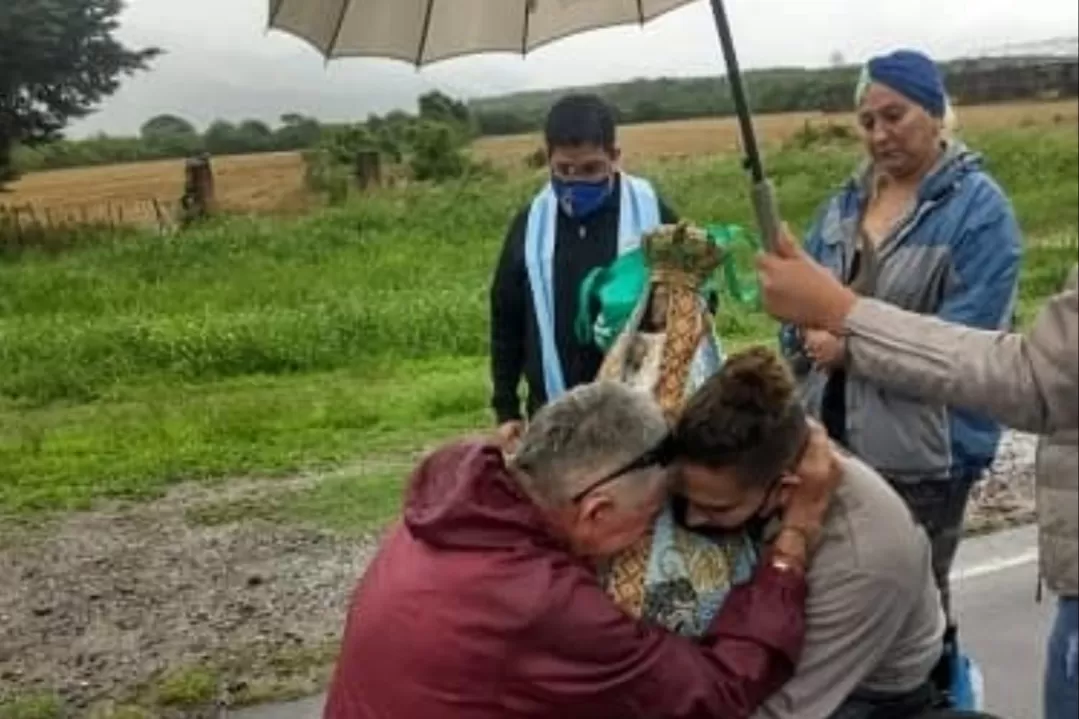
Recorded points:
(285,674)
(348,502)
(262,347)
(188,687)
(136,440)
(253,675)
(45,706)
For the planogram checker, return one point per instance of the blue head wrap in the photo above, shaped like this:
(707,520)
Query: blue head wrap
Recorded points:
(910,73)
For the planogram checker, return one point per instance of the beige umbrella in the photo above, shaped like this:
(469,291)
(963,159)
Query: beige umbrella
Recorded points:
(427,31)
(422,32)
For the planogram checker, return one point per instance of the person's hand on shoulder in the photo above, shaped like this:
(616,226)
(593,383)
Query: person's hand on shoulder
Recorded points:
(509,435)
(818,475)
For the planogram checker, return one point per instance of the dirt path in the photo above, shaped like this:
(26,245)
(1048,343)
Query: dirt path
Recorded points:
(104,604)
(140,604)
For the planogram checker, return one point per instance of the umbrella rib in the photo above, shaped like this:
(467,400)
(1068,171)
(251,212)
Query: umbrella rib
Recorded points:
(275,9)
(426,32)
(340,24)
(527,26)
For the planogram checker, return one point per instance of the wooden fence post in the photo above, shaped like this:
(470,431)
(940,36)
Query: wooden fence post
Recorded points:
(198,201)
(368,170)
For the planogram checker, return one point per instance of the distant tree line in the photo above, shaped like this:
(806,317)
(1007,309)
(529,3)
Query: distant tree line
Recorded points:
(828,89)
(664,99)
(432,139)
(169,136)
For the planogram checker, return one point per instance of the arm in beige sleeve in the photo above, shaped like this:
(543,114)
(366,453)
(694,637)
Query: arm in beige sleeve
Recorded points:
(1027,381)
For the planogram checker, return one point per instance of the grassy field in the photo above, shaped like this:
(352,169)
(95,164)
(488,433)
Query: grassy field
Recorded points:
(266,346)
(293,366)
(274,182)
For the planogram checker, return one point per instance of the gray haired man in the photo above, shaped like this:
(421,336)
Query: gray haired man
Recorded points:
(484,603)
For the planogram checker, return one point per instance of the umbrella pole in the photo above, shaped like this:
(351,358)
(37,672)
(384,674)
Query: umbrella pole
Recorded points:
(765,206)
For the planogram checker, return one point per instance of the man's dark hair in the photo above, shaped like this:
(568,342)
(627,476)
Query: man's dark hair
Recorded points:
(578,120)
(746,417)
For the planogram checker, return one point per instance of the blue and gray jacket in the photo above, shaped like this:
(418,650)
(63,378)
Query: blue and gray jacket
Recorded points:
(956,256)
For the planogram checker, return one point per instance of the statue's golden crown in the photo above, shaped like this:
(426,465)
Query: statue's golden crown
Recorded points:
(682,253)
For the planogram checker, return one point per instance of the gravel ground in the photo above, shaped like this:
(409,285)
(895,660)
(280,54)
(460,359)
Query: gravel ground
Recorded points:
(98,604)
(1006,497)
(103,602)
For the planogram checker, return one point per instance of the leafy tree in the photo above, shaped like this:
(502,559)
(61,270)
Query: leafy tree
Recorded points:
(170,136)
(437,153)
(647,111)
(58,60)
(344,143)
(166,126)
(501,122)
(297,132)
(255,135)
(221,138)
(438,107)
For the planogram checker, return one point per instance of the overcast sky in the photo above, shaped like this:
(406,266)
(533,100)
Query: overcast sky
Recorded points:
(221,61)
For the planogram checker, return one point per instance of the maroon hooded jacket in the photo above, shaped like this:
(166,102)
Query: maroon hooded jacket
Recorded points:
(471,610)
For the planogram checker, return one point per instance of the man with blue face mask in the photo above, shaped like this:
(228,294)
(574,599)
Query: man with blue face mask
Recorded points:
(585,217)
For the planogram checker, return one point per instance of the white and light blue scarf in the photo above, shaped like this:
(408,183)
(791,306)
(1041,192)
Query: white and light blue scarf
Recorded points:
(638,214)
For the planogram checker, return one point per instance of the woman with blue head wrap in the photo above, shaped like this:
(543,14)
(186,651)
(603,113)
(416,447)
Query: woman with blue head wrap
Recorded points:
(903,109)
(923,226)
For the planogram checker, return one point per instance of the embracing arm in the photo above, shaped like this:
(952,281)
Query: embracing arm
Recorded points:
(595,658)
(589,655)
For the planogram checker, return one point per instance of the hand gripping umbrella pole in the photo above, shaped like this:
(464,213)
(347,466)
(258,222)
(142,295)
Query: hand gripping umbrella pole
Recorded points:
(762,192)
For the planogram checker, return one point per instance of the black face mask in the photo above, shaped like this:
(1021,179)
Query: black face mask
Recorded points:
(756,527)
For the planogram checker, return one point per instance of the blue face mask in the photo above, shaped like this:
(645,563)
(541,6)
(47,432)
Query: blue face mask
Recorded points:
(581,199)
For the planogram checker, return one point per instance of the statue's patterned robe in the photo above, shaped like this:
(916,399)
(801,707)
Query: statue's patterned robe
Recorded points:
(674,577)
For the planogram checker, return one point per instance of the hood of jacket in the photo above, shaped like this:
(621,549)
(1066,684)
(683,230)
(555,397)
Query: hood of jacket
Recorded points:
(464,496)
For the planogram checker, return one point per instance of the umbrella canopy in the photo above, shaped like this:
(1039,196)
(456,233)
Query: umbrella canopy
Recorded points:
(427,31)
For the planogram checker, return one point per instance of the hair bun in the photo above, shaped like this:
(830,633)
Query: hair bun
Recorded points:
(757,381)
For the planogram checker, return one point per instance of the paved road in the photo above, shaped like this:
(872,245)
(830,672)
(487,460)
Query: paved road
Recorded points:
(1002,626)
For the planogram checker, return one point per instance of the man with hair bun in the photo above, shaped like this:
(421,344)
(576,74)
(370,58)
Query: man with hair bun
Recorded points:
(874,623)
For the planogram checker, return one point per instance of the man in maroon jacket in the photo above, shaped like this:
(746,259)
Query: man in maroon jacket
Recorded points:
(484,602)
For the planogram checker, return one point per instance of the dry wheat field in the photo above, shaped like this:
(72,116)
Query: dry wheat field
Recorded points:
(693,138)
(274,182)
(246,183)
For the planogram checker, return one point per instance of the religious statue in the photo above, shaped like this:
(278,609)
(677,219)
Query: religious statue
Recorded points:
(674,577)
